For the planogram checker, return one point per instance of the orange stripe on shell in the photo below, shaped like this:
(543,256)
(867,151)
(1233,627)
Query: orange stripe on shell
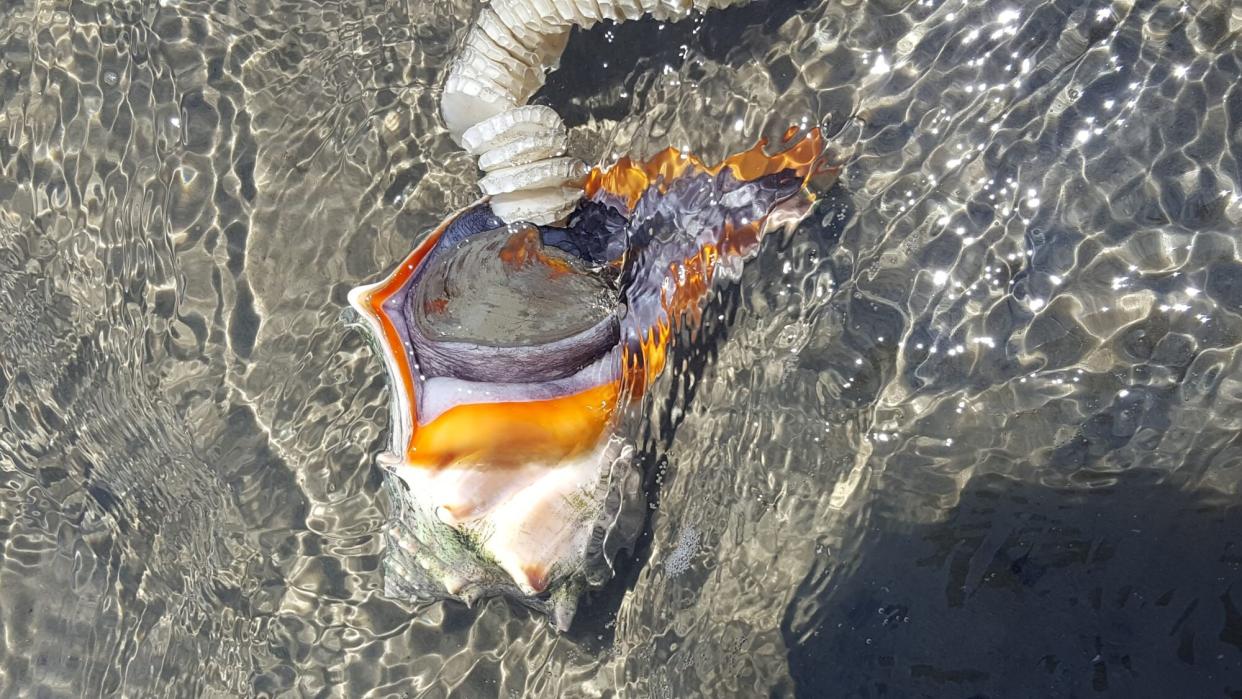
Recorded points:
(515,433)
(629,179)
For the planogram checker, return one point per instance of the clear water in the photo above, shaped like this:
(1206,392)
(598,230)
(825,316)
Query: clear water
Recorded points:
(972,431)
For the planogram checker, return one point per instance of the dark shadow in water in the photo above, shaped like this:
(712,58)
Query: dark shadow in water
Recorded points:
(575,87)
(689,356)
(1133,590)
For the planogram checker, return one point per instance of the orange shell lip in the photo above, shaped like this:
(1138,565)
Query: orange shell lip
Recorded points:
(511,434)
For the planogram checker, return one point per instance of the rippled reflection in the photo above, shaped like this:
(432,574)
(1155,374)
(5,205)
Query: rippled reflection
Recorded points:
(972,429)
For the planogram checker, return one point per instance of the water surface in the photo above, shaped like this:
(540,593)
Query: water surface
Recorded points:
(971,431)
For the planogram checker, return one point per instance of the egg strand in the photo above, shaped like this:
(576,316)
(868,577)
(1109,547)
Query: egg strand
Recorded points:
(502,62)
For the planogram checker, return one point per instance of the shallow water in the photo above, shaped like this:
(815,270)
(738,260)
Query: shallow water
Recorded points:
(971,431)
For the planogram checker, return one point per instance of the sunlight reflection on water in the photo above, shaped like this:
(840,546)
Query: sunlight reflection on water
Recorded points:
(971,429)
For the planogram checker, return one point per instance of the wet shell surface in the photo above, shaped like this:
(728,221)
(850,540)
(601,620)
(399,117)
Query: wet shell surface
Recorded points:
(515,355)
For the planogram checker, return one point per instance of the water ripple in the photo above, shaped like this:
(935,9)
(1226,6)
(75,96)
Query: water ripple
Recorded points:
(986,394)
